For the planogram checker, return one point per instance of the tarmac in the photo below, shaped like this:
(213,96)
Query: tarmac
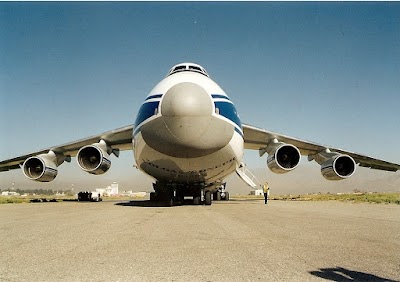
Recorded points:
(239,240)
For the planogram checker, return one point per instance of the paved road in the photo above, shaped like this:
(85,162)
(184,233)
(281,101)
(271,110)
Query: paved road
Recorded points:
(237,240)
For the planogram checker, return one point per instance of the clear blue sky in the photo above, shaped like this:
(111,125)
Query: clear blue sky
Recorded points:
(325,72)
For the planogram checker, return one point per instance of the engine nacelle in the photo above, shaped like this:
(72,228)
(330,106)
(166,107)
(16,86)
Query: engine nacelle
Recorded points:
(283,158)
(338,167)
(41,168)
(94,158)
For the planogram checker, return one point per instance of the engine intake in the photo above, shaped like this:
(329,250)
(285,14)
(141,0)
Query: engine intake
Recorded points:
(284,158)
(338,167)
(94,158)
(42,168)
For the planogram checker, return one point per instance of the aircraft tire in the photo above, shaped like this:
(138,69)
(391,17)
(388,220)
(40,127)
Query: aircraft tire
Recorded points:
(153,197)
(226,196)
(207,198)
(169,202)
(218,196)
(179,201)
(196,200)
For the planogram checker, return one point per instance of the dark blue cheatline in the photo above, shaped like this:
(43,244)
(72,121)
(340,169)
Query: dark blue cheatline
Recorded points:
(239,131)
(156,96)
(228,110)
(219,96)
(147,110)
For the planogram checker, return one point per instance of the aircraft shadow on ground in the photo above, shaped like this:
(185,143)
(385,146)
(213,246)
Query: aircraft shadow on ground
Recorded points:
(149,204)
(343,274)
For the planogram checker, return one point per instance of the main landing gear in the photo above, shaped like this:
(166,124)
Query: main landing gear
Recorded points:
(172,194)
(221,194)
(166,198)
(202,197)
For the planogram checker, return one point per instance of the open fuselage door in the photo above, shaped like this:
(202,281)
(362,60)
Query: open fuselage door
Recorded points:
(247,176)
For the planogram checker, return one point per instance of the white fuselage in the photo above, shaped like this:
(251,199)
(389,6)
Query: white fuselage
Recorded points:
(188,131)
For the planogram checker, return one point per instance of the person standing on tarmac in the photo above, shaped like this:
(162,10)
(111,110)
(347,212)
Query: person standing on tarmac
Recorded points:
(266,192)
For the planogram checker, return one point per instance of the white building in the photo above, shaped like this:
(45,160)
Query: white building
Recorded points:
(111,190)
(259,192)
(8,193)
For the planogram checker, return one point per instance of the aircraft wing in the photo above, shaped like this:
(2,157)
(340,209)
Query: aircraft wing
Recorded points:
(258,139)
(120,139)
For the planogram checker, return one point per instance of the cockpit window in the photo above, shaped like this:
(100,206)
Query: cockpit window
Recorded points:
(188,67)
(194,68)
(179,68)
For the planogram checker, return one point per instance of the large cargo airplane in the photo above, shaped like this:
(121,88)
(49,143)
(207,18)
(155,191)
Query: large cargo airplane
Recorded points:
(188,136)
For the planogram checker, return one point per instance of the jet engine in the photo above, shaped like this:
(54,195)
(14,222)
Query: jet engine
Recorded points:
(283,157)
(338,167)
(41,168)
(94,158)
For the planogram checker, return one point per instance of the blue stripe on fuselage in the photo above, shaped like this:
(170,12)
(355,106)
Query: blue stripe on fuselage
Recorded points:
(154,96)
(147,110)
(228,110)
(219,96)
(239,131)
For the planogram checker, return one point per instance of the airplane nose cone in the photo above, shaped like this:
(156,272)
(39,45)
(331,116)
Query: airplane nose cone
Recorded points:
(187,109)
(186,99)
(187,127)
